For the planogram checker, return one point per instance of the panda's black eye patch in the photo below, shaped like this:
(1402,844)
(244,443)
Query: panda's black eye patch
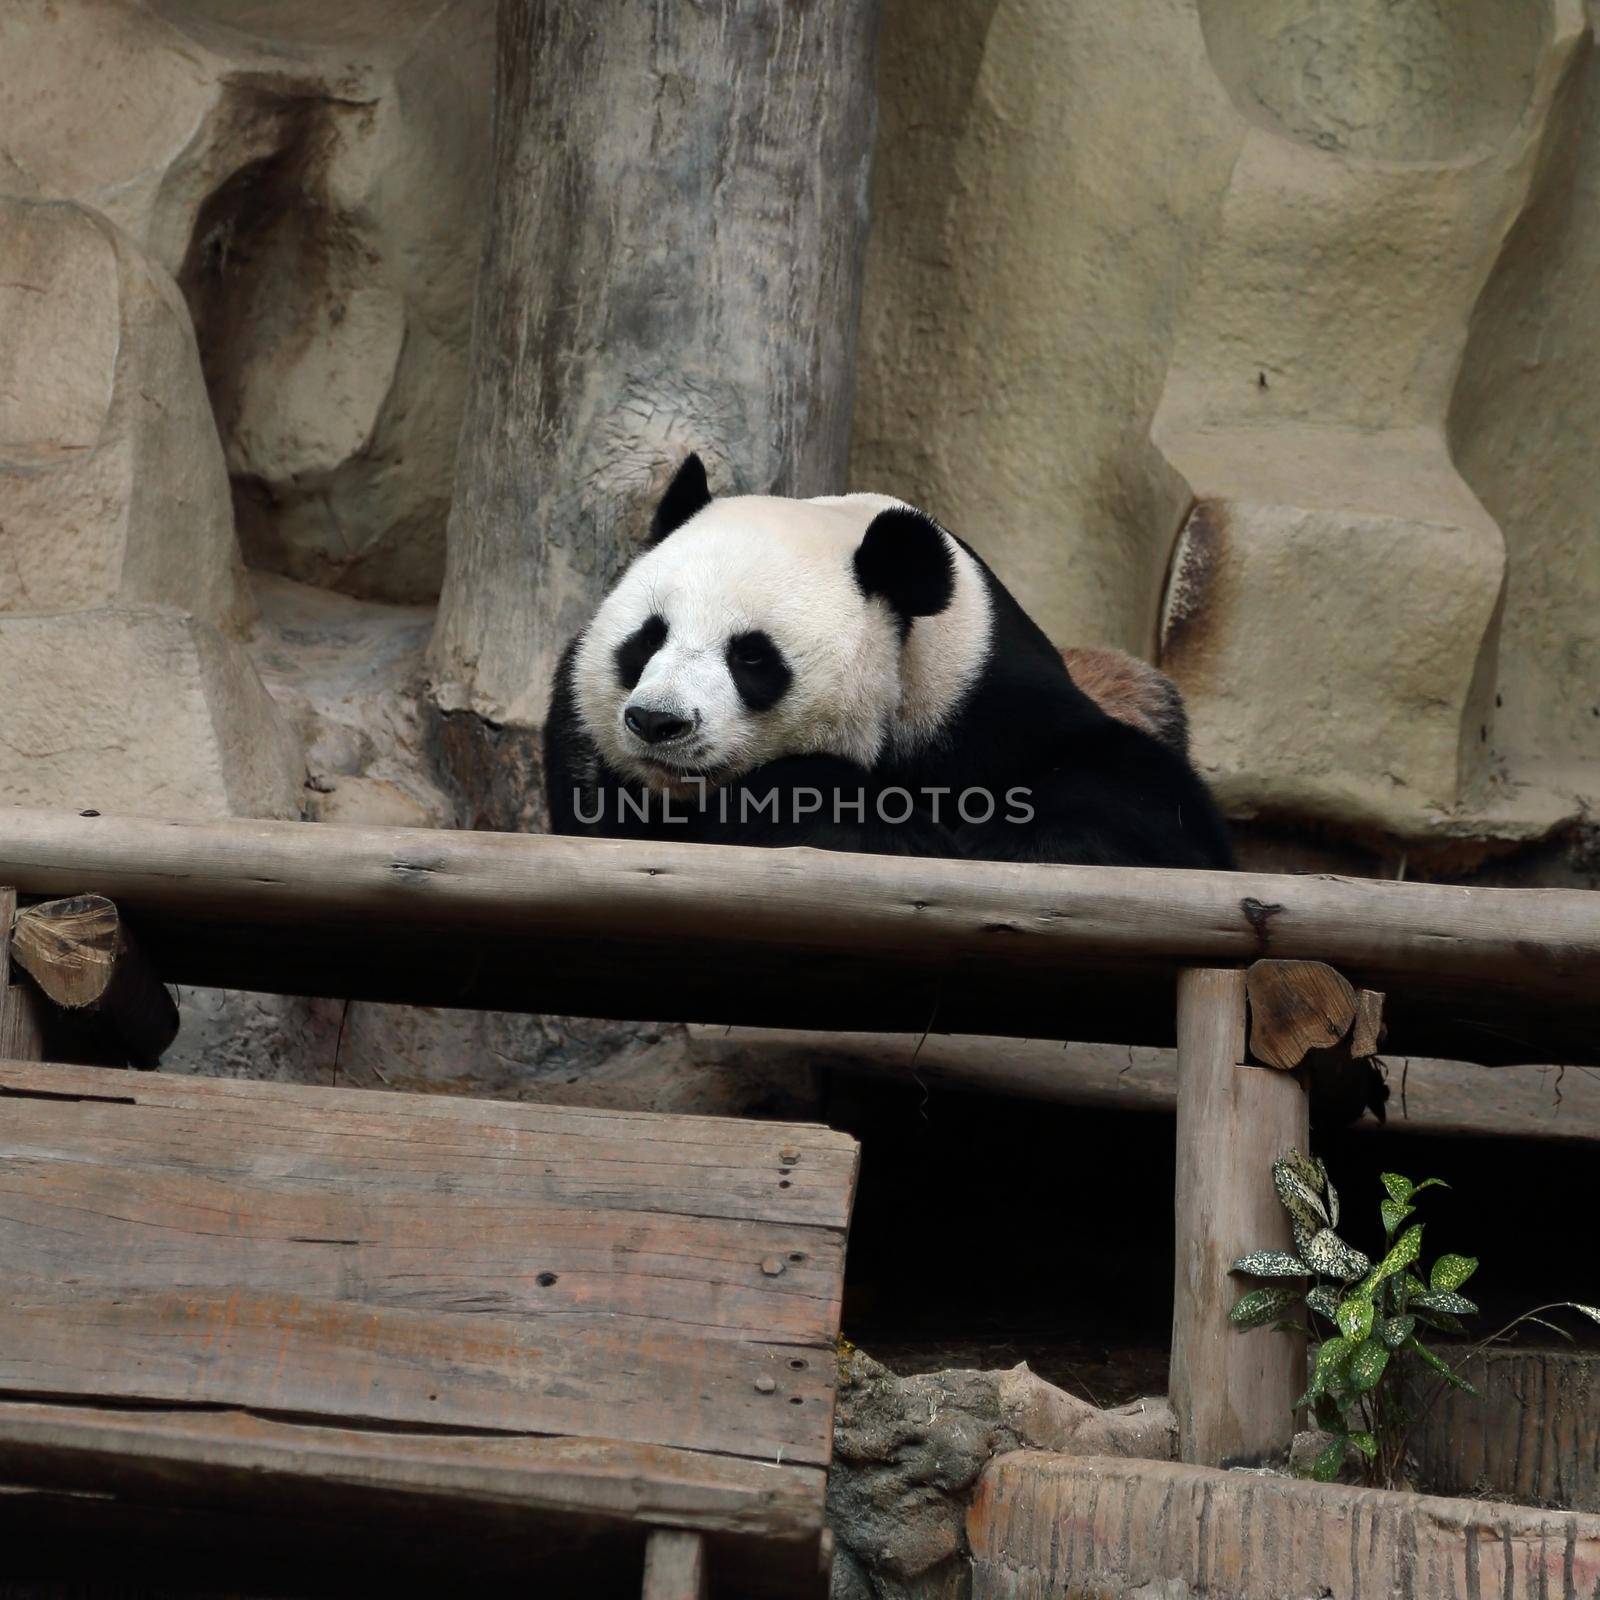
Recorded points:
(633,654)
(760,673)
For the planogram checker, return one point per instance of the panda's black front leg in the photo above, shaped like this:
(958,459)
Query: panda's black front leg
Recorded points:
(822,801)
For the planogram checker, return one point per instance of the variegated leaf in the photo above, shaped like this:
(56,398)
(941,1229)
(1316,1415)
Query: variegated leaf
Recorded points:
(1455,1305)
(1330,1194)
(1367,1364)
(1394,1331)
(1429,1183)
(1302,1203)
(1355,1318)
(1450,1272)
(1261,1306)
(1329,1459)
(1331,1357)
(1401,1254)
(1440,1321)
(1271,1264)
(1365,1443)
(1324,1300)
(1393,1214)
(1331,1256)
(1400,1189)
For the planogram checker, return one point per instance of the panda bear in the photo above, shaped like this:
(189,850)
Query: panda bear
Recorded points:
(843,672)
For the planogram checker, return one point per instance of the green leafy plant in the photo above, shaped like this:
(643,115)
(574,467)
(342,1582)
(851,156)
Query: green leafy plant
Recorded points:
(1374,1379)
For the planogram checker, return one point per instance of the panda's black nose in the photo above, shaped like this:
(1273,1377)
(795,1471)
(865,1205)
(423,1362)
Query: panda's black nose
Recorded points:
(655,727)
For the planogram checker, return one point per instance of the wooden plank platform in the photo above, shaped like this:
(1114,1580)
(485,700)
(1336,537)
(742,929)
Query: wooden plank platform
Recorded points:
(577,1325)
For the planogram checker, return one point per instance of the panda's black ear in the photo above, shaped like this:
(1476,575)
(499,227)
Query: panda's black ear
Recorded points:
(904,558)
(686,494)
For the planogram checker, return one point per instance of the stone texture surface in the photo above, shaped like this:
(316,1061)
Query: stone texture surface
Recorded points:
(111,476)
(907,1452)
(148,711)
(1305,407)
(1046,181)
(1046,1527)
(1534,1436)
(1250,278)
(313,176)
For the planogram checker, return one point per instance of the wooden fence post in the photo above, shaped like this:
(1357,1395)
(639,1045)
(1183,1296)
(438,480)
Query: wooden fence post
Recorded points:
(674,1565)
(1232,1392)
(21,1034)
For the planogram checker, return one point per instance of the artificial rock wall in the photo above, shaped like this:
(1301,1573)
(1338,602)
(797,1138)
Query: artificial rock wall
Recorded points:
(1260,338)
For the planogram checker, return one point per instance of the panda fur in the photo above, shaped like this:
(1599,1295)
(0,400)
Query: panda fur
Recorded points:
(761,647)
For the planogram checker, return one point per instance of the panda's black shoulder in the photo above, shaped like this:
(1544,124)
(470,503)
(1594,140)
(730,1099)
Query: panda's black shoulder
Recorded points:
(1115,795)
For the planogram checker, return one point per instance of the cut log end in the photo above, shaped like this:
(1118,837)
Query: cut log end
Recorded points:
(1296,1007)
(82,957)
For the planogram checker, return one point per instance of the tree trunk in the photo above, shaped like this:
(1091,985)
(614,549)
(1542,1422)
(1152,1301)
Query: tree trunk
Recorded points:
(673,262)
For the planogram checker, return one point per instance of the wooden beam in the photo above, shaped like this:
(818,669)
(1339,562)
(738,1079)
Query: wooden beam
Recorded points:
(1367,1032)
(1441,1097)
(674,1566)
(21,1022)
(808,938)
(82,956)
(1233,1392)
(226,1456)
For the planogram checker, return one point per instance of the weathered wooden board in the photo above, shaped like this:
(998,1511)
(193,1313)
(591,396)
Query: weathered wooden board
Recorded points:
(801,937)
(282,1353)
(233,1458)
(304,1292)
(143,1228)
(376,1144)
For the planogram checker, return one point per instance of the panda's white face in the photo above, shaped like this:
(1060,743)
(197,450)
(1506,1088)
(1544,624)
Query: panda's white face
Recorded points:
(747,635)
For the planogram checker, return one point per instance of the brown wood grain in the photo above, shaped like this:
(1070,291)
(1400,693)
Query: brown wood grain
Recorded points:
(231,1457)
(21,1022)
(1366,1032)
(226,1296)
(148,1228)
(164,1499)
(674,1566)
(807,937)
(1232,1392)
(81,954)
(373,1143)
(1296,1007)
(590,1376)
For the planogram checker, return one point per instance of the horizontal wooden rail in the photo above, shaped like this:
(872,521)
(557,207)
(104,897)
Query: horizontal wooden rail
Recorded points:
(804,938)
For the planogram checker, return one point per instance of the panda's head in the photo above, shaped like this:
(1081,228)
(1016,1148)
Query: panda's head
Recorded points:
(753,627)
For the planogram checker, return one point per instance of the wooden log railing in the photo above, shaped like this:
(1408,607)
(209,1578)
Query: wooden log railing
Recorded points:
(808,939)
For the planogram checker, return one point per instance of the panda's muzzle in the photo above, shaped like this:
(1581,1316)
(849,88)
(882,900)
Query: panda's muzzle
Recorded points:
(655,727)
